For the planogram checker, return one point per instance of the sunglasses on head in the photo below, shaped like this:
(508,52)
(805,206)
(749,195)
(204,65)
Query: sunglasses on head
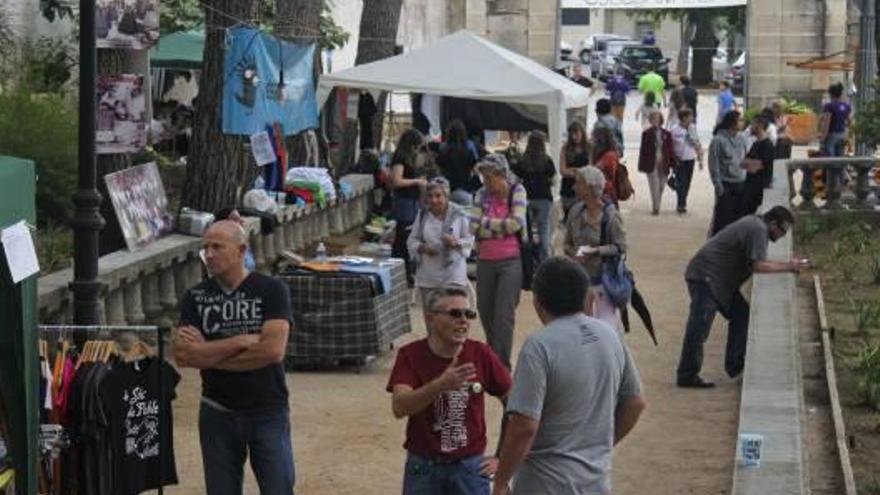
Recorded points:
(458,313)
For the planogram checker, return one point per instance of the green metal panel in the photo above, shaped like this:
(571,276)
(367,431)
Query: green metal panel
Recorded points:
(18,331)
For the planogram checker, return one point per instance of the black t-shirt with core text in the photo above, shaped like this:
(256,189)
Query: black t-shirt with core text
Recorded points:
(219,315)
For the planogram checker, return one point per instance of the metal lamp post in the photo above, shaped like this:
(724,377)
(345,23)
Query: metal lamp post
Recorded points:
(867,60)
(87,221)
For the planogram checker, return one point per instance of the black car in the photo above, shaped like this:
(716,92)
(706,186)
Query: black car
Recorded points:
(635,60)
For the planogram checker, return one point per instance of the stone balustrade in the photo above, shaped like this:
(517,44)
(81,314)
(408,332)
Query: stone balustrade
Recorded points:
(860,194)
(146,285)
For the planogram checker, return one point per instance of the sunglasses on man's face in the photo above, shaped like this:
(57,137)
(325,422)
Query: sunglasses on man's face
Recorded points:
(458,313)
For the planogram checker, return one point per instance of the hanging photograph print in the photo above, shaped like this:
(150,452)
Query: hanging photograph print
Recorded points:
(122,125)
(267,81)
(140,204)
(131,24)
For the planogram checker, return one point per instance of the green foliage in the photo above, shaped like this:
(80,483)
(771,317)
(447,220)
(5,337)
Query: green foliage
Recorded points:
(807,228)
(43,128)
(180,15)
(333,36)
(54,247)
(48,64)
(866,314)
(793,107)
(870,487)
(751,113)
(867,121)
(56,9)
(868,367)
(856,236)
(875,268)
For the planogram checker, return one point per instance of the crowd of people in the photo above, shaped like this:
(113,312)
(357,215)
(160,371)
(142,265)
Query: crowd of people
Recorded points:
(575,391)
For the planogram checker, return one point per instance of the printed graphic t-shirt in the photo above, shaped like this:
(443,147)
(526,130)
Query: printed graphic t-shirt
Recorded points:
(221,315)
(454,426)
(134,406)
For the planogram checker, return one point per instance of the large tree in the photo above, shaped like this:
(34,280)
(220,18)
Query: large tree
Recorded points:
(378,35)
(217,166)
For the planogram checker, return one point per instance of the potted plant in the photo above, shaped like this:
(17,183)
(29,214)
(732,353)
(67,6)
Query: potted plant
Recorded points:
(802,121)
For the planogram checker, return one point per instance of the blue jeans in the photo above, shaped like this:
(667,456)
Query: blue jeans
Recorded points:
(702,313)
(539,216)
(424,476)
(834,143)
(228,437)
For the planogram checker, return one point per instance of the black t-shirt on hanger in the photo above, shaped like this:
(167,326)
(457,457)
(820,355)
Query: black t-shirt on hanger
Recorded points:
(137,416)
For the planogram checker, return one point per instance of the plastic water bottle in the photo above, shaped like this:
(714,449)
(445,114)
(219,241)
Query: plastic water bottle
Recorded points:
(321,252)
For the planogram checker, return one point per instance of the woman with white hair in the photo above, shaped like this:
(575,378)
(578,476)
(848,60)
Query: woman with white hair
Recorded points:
(499,221)
(656,158)
(585,242)
(440,242)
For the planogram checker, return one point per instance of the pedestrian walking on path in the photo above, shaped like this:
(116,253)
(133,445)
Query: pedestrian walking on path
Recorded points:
(498,220)
(439,384)
(576,394)
(759,165)
(690,96)
(726,154)
(688,150)
(440,242)
(407,180)
(536,171)
(726,101)
(456,161)
(714,276)
(656,158)
(234,327)
(594,233)
(836,119)
(617,88)
(606,158)
(651,82)
(575,154)
(604,118)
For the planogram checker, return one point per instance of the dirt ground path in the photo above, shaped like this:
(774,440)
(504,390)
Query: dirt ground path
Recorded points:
(347,442)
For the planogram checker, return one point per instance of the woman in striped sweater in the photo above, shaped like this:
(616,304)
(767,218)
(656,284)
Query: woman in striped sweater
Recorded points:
(498,221)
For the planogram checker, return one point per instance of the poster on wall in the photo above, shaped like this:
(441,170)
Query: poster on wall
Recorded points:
(267,81)
(127,24)
(658,4)
(122,124)
(140,204)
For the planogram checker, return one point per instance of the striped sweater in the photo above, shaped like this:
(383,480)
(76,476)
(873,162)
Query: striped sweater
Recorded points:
(485,226)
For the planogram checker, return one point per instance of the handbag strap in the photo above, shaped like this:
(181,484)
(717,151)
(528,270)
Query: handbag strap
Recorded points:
(603,230)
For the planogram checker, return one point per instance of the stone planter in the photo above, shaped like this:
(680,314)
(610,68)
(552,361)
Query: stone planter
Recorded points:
(802,128)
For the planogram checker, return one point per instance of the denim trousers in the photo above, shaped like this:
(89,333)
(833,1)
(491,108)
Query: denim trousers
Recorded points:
(702,313)
(684,173)
(539,216)
(229,437)
(425,476)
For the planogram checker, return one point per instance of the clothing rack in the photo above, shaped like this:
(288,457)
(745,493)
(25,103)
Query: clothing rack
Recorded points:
(159,331)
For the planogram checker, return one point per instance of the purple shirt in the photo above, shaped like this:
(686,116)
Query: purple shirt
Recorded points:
(839,111)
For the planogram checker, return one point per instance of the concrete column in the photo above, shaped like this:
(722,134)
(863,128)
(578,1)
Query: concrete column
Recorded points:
(134,311)
(336,224)
(289,237)
(281,237)
(257,247)
(114,306)
(324,222)
(150,292)
(194,271)
(297,229)
(181,280)
(167,290)
(269,249)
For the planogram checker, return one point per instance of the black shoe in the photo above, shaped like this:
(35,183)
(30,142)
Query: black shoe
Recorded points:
(695,382)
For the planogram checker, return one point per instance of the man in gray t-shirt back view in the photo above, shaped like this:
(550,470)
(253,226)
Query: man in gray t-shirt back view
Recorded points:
(714,277)
(576,393)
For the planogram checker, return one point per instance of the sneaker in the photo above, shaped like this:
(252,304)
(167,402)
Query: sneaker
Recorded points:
(695,382)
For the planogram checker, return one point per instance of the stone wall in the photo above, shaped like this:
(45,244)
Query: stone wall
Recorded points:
(144,286)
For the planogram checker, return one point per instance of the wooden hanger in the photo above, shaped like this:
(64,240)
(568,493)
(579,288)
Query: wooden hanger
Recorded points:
(139,350)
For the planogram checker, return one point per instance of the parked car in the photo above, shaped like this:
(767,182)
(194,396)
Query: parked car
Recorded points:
(736,74)
(634,60)
(608,59)
(589,50)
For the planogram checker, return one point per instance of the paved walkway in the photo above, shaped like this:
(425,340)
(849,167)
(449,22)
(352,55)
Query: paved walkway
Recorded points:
(347,442)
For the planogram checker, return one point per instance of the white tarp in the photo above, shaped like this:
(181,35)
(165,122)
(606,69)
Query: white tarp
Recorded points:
(465,65)
(660,4)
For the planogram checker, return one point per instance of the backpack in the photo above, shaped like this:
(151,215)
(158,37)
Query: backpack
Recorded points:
(622,185)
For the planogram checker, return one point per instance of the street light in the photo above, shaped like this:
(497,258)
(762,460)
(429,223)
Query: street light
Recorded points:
(867,59)
(87,221)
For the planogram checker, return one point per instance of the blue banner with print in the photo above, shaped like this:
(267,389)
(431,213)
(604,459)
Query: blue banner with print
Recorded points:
(252,95)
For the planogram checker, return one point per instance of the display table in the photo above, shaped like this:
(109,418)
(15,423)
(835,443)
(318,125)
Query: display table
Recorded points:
(340,315)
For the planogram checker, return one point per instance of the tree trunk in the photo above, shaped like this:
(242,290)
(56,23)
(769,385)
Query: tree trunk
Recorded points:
(299,21)
(217,166)
(378,39)
(110,238)
(682,64)
(705,43)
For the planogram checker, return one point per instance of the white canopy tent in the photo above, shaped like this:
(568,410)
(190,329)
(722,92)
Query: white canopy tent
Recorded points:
(464,65)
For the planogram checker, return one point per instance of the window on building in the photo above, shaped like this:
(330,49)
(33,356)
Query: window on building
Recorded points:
(643,28)
(575,17)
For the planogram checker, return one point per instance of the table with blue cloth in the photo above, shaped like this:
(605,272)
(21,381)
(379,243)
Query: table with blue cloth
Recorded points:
(353,313)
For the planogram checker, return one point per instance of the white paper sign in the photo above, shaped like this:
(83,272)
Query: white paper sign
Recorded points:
(261,147)
(20,253)
(660,4)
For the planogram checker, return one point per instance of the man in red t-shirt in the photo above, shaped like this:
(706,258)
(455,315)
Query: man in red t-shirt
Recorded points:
(439,383)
